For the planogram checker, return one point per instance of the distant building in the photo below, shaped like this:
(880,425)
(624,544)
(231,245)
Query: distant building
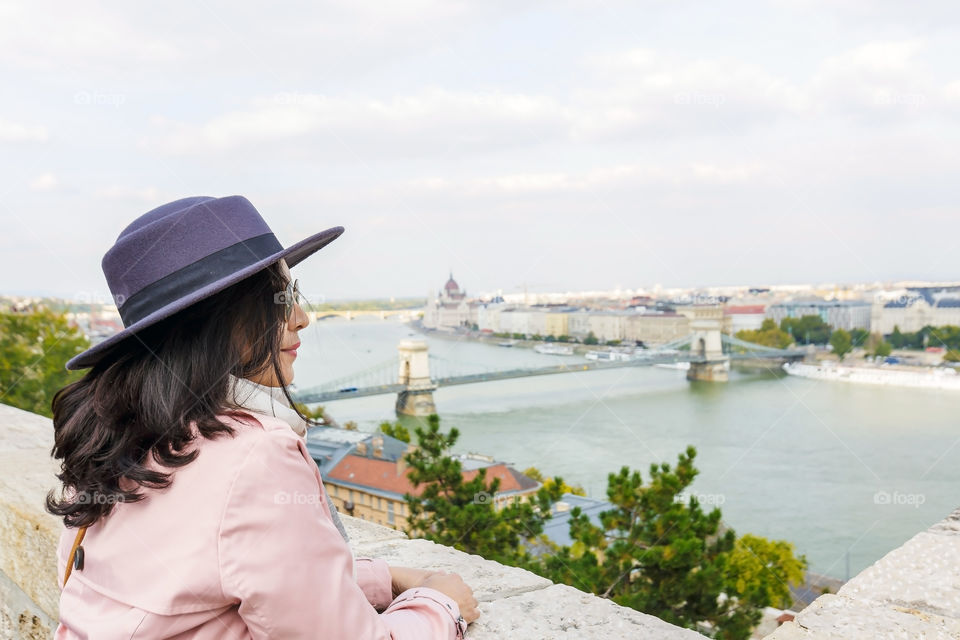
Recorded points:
(555,324)
(578,324)
(655,328)
(839,314)
(366,475)
(747,317)
(609,325)
(917,308)
(557,528)
(449,309)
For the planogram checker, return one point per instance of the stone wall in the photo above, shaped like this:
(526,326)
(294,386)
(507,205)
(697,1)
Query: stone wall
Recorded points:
(911,593)
(514,603)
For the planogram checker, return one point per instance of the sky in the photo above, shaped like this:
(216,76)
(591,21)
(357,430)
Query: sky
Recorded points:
(552,145)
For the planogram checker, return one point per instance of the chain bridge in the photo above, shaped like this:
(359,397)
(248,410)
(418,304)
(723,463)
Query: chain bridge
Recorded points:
(415,374)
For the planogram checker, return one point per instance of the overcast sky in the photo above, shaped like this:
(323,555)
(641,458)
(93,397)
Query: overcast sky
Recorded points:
(565,145)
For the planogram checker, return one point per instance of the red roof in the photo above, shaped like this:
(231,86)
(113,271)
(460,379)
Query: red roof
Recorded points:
(383,475)
(745,309)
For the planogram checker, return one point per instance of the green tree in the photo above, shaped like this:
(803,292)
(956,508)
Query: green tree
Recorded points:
(807,329)
(590,339)
(395,430)
(535,473)
(34,349)
(952,355)
(878,347)
(317,414)
(896,338)
(768,335)
(461,513)
(759,571)
(841,343)
(664,555)
(859,337)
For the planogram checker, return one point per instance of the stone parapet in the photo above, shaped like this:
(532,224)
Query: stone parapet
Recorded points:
(514,603)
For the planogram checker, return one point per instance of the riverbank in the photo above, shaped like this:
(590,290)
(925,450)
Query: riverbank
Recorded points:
(490,339)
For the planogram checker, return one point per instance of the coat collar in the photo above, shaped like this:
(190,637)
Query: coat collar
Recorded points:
(270,401)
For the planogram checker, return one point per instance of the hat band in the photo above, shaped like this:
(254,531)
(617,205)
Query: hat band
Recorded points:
(197,275)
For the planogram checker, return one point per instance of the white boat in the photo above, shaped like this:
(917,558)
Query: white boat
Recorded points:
(554,349)
(682,366)
(894,376)
(507,343)
(609,356)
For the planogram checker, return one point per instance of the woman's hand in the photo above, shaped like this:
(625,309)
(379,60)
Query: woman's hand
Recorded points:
(449,584)
(453,586)
(403,578)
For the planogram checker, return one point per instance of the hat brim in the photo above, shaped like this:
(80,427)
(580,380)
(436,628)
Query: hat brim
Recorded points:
(294,254)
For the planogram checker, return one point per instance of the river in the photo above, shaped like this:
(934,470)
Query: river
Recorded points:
(845,472)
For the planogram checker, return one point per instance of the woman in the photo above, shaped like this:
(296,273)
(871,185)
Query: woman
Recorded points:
(192,508)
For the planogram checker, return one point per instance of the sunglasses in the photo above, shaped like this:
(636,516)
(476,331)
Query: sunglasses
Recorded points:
(290,297)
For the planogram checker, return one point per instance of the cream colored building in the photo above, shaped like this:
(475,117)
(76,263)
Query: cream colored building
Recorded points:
(578,323)
(556,324)
(608,325)
(656,328)
(912,313)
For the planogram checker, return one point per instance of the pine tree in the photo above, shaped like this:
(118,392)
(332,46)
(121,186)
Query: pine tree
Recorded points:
(461,513)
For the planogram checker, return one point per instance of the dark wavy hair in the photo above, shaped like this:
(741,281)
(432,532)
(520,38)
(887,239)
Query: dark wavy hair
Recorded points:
(141,398)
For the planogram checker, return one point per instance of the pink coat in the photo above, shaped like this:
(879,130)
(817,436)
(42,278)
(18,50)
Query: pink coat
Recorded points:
(241,545)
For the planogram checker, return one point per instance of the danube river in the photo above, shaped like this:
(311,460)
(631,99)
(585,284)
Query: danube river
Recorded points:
(845,472)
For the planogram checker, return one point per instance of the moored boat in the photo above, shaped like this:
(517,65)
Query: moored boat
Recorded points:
(895,376)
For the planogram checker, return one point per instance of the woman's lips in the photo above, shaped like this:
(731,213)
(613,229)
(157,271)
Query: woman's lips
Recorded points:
(292,350)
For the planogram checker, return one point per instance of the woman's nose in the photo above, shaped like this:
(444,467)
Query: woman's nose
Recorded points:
(300,317)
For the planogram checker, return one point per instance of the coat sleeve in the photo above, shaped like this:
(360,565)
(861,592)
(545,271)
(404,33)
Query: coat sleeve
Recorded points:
(373,576)
(283,560)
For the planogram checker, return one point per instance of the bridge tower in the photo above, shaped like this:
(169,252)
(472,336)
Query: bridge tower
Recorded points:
(417,398)
(706,324)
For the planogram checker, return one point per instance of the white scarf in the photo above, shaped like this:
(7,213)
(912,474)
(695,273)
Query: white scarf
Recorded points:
(270,401)
(267,400)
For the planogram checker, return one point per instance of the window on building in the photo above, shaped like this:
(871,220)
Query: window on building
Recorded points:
(390,511)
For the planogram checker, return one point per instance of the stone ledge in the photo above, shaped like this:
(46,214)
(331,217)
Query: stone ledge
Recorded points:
(513,602)
(912,592)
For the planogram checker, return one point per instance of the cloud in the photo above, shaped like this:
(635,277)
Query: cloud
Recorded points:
(436,119)
(140,194)
(18,132)
(45,182)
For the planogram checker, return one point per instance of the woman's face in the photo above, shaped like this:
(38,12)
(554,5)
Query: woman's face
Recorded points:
(289,343)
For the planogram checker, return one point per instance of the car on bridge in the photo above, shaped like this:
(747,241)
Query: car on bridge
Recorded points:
(348,390)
